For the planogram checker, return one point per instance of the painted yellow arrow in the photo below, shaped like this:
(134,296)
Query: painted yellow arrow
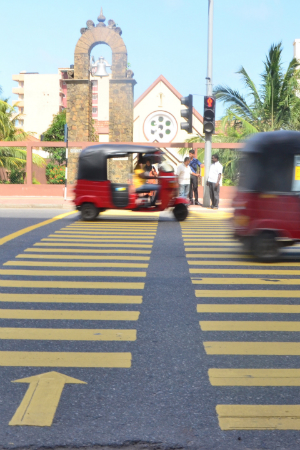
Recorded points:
(40,402)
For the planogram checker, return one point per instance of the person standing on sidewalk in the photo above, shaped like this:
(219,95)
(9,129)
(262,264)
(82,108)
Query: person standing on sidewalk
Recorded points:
(184,176)
(194,164)
(213,181)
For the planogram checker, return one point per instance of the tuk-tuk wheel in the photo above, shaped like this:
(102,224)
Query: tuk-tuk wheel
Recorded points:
(89,211)
(265,246)
(180,212)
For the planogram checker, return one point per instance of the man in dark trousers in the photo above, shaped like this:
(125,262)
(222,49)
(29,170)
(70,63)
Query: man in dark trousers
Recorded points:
(213,181)
(194,164)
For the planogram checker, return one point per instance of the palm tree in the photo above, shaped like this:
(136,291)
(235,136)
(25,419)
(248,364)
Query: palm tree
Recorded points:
(13,158)
(273,106)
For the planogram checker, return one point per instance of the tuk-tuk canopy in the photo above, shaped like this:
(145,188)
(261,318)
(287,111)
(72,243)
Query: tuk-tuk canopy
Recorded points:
(93,160)
(268,162)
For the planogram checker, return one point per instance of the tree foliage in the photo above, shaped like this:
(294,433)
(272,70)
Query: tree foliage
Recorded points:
(272,106)
(55,133)
(13,158)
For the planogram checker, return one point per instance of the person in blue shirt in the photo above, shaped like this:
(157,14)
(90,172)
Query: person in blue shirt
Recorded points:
(194,164)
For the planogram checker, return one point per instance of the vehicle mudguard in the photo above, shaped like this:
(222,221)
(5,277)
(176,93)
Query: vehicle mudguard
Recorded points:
(179,200)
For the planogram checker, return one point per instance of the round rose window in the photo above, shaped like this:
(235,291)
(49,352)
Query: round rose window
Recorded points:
(160,126)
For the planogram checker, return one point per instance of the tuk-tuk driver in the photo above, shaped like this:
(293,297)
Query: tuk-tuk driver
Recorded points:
(139,175)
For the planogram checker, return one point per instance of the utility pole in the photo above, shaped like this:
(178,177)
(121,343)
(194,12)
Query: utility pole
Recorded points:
(208,136)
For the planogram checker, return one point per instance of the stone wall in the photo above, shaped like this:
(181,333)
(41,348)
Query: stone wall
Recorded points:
(121,110)
(79,110)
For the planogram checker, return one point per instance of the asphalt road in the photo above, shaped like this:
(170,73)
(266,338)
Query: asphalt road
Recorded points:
(117,310)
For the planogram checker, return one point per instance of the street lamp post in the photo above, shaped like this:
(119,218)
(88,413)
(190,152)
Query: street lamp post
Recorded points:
(208,136)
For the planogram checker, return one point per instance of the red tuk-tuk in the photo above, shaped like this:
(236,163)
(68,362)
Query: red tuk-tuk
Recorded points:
(101,185)
(267,204)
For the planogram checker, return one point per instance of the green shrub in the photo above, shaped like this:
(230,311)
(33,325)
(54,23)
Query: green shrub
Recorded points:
(55,174)
(17,176)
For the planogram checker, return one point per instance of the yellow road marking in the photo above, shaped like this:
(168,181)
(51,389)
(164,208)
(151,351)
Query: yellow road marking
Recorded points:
(74,264)
(254,377)
(65,244)
(266,271)
(243,263)
(252,348)
(134,241)
(259,417)
(40,402)
(248,293)
(216,255)
(249,308)
(84,257)
(72,273)
(241,325)
(106,233)
(67,250)
(111,227)
(265,281)
(207,240)
(9,237)
(60,334)
(64,359)
(69,284)
(215,245)
(191,233)
(240,251)
(67,315)
(71,298)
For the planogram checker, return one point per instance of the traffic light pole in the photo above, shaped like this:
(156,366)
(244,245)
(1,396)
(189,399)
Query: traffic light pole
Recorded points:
(208,136)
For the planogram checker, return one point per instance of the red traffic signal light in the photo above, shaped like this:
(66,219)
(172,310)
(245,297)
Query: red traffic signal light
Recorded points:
(209,114)
(210,102)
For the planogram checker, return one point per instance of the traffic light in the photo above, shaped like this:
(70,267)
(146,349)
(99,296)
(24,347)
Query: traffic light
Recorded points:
(209,115)
(187,114)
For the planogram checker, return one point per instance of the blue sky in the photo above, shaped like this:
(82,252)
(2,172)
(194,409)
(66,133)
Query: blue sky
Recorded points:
(167,37)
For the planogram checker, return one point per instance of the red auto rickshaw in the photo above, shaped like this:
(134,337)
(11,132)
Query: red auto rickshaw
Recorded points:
(99,188)
(267,204)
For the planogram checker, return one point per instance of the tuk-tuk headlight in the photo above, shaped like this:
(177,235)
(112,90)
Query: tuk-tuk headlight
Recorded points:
(241,221)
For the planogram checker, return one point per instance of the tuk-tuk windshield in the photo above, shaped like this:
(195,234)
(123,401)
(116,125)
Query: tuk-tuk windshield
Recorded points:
(263,172)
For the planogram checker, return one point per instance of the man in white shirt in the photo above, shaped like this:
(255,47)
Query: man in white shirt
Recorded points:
(213,181)
(184,177)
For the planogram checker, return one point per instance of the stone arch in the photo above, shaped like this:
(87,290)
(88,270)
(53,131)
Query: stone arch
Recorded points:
(79,96)
(100,35)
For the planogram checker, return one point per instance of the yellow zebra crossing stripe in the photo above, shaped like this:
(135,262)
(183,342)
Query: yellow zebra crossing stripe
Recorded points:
(264,271)
(240,325)
(65,359)
(75,264)
(252,348)
(59,334)
(265,281)
(247,293)
(29,314)
(72,273)
(71,298)
(254,377)
(92,244)
(249,308)
(259,417)
(70,284)
(72,250)
(85,257)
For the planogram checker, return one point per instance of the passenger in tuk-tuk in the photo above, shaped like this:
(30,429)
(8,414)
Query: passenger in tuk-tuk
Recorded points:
(139,177)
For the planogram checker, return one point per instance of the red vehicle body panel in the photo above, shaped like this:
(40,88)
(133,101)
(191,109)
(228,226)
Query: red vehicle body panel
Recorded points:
(255,212)
(99,193)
